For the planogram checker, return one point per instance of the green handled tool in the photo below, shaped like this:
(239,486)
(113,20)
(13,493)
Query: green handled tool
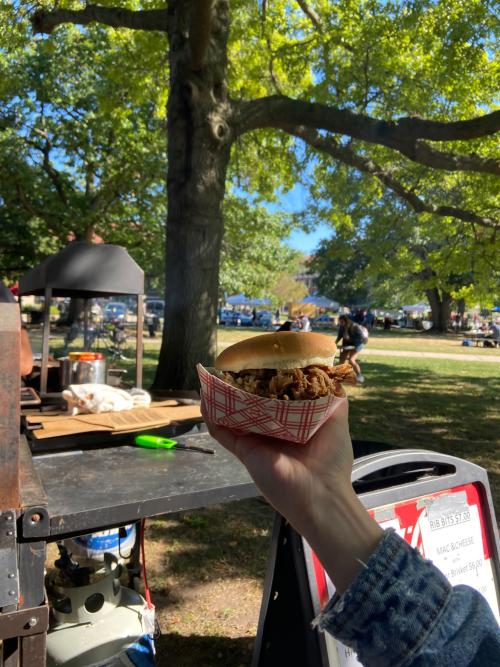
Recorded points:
(158,442)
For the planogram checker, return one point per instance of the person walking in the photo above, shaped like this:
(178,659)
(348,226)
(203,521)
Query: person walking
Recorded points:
(352,337)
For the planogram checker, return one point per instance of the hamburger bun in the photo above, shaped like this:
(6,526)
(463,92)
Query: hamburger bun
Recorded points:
(280,350)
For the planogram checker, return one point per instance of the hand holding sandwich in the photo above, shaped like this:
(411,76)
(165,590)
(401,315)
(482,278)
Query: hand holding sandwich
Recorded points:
(311,487)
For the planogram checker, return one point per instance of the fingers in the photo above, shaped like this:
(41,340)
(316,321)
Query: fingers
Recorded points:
(228,438)
(238,443)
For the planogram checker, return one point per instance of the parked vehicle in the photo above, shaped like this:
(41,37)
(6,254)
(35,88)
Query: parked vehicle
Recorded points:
(115,311)
(323,322)
(233,318)
(154,307)
(245,319)
(228,317)
(265,318)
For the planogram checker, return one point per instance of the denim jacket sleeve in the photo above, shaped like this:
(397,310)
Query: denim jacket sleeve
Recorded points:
(401,611)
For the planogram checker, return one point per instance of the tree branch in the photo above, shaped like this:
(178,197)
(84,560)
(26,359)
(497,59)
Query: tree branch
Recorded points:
(423,153)
(310,13)
(44,21)
(404,135)
(25,201)
(47,165)
(346,155)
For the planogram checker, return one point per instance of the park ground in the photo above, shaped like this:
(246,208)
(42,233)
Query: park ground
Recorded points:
(206,567)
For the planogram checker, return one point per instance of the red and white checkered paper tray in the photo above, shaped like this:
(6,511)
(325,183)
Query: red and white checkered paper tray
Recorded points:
(296,421)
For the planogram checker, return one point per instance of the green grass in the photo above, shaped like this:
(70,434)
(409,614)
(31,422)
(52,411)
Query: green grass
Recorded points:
(395,339)
(444,405)
(413,341)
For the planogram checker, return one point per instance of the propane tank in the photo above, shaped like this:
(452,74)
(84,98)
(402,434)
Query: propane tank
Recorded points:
(95,620)
(116,541)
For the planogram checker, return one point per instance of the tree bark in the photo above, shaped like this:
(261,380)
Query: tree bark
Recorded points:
(198,154)
(440,303)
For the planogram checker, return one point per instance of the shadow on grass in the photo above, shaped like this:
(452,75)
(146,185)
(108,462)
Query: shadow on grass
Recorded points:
(409,406)
(198,651)
(214,543)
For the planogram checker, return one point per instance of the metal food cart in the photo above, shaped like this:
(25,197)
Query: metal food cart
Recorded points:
(85,270)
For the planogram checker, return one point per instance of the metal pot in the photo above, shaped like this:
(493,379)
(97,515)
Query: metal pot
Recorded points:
(84,368)
(65,372)
(90,372)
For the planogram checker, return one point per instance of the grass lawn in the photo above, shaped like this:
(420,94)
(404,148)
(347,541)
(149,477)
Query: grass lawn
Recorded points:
(441,404)
(395,339)
(206,567)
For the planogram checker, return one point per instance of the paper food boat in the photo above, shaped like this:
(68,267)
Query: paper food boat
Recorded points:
(296,421)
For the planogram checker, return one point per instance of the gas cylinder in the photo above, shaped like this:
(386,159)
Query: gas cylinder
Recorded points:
(100,622)
(117,541)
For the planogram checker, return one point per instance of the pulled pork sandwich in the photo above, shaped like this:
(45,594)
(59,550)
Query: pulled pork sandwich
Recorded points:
(285,365)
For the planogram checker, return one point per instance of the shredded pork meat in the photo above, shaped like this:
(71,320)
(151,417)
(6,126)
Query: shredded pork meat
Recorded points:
(294,384)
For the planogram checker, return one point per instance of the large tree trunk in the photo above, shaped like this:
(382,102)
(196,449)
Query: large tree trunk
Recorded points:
(198,154)
(440,302)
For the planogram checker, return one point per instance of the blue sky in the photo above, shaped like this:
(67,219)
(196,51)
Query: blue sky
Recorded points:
(306,242)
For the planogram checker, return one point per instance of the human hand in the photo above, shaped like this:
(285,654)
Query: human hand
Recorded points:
(293,477)
(310,485)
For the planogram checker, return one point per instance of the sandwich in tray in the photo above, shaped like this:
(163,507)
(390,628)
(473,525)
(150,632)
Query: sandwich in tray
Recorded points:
(281,384)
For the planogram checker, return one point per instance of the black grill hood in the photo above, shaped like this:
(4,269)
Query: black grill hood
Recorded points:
(85,270)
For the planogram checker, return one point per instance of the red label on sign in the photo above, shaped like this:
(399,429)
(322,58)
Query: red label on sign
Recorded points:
(448,528)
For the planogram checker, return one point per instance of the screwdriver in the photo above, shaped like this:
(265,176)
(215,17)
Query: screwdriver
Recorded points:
(158,442)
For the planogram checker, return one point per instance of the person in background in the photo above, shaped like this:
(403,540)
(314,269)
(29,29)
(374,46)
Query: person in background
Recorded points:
(304,323)
(391,606)
(351,336)
(254,317)
(368,320)
(357,316)
(495,332)
(6,296)
(286,326)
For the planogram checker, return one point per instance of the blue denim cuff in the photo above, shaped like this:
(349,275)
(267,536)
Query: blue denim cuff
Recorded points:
(391,606)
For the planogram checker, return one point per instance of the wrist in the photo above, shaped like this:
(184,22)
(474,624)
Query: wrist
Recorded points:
(341,532)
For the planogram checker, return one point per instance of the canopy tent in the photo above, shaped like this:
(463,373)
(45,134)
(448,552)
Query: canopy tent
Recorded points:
(496,309)
(416,308)
(85,270)
(242,300)
(320,302)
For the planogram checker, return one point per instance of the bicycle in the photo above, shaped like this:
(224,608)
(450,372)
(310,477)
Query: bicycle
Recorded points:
(112,337)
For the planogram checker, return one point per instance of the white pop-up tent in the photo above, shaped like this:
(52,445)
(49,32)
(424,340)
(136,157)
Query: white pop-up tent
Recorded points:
(416,308)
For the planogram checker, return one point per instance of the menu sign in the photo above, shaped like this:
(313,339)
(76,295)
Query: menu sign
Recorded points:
(448,528)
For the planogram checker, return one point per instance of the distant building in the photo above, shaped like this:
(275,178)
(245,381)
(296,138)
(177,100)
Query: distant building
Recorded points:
(304,276)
